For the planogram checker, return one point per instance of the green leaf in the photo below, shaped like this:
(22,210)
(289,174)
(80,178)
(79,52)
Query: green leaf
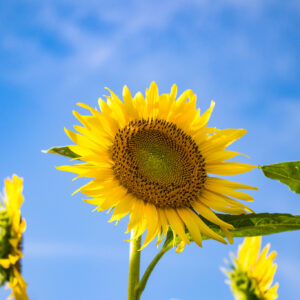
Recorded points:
(260,224)
(65,151)
(287,173)
(257,224)
(250,225)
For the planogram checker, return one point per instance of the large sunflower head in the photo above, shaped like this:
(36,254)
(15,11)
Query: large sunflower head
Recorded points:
(252,273)
(12,226)
(150,157)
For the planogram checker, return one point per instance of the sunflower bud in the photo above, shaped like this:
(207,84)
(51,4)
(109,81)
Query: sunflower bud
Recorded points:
(252,273)
(12,226)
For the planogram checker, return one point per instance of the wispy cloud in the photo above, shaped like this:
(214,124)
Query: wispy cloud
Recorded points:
(94,53)
(73,250)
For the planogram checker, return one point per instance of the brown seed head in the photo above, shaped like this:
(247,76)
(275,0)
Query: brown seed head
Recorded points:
(158,163)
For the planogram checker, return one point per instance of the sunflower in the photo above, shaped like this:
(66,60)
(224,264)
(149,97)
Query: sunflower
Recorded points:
(252,273)
(150,157)
(12,226)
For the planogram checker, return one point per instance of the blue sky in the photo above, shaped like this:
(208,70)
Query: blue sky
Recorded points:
(242,54)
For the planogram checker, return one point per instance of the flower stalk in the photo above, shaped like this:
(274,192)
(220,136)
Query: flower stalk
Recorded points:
(134,266)
(135,285)
(142,284)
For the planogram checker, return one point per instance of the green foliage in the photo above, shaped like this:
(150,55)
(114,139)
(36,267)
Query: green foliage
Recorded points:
(287,173)
(260,224)
(248,225)
(257,224)
(64,151)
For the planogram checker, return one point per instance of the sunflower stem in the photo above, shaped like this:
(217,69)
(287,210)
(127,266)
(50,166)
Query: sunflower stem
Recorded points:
(134,266)
(142,284)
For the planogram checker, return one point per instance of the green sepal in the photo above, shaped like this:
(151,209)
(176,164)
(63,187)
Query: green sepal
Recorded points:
(4,275)
(286,172)
(64,151)
(243,287)
(5,227)
(5,246)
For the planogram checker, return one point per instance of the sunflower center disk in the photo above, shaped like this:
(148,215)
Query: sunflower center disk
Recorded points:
(154,157)
(158,163)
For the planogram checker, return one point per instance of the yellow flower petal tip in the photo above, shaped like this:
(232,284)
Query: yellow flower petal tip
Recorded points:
(13,225)
(252,273)
(150,157)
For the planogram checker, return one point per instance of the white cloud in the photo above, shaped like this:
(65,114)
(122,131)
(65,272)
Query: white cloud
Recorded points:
(90,52)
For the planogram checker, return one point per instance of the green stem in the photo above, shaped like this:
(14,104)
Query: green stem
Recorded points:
(134,266)
(142,284)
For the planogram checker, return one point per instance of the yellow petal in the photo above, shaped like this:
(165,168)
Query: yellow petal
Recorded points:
(221,140)
(122,209)
(176,224)
(229,168)
(180,247)
(203,119)
(216,188)
(190,223)
(230,184)
(220,156)
(204,211)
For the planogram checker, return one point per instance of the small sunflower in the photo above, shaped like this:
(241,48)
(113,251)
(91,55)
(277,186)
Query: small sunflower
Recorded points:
(150,157)
(252,273)
(12,226)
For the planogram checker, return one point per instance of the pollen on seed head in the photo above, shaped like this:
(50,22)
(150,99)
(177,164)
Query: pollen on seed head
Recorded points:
(158,163)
